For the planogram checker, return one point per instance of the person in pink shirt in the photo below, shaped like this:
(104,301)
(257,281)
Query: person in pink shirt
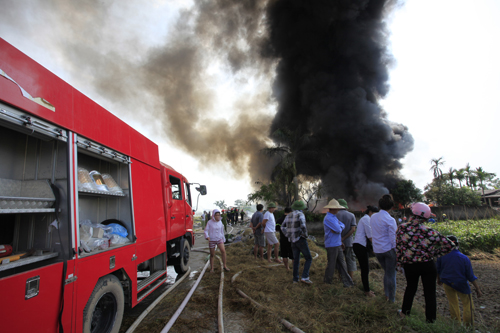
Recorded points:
(214,234)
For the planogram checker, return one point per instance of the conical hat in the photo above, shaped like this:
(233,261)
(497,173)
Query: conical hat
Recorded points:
(334,204)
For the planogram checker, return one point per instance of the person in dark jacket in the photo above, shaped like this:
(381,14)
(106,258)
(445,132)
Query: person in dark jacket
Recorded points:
(362,240)
(285,245)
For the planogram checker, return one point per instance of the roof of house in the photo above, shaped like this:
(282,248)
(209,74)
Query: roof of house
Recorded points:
(489,193)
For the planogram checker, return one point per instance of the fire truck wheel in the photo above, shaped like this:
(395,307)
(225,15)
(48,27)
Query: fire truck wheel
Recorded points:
(185,252)
(104,309)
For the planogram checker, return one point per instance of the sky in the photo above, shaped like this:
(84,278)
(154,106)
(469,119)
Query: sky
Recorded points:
(444,81)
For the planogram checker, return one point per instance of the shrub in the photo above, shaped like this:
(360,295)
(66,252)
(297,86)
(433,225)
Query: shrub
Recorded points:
(278,213)
(313,217)
(310,217)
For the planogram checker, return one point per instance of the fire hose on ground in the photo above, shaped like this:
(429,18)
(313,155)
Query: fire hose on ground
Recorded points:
(283,321)
(153,305)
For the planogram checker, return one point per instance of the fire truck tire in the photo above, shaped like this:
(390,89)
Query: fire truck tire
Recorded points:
(183,266)
(104,309)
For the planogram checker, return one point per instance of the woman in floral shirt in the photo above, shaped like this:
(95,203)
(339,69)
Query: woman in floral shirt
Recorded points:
(416,247)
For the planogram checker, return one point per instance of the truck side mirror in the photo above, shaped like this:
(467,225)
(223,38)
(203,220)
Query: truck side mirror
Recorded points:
(202,189)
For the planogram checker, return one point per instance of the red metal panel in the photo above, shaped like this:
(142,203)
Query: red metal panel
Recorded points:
(73,110)
(95,123)
(38,82)
(93,267)
(167,199)
(144,149)
(177,224)
(148,203)
(40,313)
(189,212)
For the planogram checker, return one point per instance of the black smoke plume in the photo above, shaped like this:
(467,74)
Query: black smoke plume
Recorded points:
(328,61)
(332,72)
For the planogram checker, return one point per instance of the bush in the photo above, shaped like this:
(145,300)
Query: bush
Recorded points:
(448,195)
(278,213)
(483,235)
(310,217)
(313,217)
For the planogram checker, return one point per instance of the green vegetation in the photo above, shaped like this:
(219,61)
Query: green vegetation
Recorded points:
(221,204)
(482,235)
(442,325)
(445,194)
(285,184)
(406,192)
(444,191)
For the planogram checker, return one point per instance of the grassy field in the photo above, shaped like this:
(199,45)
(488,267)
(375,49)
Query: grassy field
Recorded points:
(332,308)
(320,307)
(482,235)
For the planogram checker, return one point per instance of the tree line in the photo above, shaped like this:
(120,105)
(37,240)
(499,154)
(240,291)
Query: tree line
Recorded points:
(454,187)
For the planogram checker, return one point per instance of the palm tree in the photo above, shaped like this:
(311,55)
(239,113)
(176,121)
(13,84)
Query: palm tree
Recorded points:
(460,175)
(468,173)
(436,163)
(473,180)
(451,175)
(483,176)
(290,143)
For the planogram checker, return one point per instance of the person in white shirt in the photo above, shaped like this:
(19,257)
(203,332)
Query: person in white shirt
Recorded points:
(384,244)
(360,247)
(269,224)
(214,233)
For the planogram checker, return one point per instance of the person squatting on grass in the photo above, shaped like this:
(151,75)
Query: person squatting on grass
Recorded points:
(270,231)
(454,273)
(333,244)
(416,246)
(384,244)
(294,228)
(285,245)
(363,235)
(258,232)
(214,233)
(349,221)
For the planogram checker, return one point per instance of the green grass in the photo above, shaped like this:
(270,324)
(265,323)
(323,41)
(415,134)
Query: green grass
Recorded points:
(483,235)
(442,325)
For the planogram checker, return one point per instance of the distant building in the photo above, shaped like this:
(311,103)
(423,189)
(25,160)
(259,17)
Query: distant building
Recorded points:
(490,197)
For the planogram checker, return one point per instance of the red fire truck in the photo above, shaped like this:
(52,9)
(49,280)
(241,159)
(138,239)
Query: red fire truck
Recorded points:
(90,214)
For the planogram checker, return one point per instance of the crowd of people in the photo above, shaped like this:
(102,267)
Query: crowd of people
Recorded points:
(411,248)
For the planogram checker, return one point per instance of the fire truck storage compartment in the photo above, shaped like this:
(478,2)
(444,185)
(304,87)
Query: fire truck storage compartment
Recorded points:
(103,207)
(31,161)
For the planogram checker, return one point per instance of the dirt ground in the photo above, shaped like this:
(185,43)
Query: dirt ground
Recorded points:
(487,308)
(239,316)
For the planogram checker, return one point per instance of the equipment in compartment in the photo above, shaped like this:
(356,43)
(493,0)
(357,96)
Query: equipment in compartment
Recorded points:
(111,184)
(98,181)
(97,236)
(85,181)
(5,250)
(25,196)
(104,210)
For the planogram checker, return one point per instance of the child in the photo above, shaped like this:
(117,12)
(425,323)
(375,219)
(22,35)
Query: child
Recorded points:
(214,233)
(454,273)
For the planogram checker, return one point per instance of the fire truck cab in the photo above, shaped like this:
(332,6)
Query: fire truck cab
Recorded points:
(91,214)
